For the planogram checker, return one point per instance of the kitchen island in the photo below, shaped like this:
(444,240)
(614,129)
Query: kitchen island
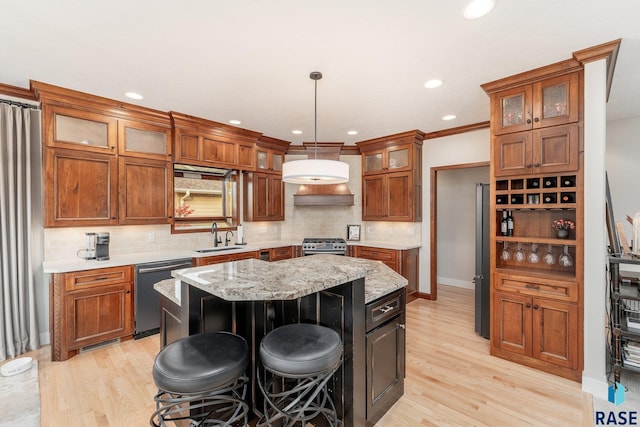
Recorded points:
(252,297)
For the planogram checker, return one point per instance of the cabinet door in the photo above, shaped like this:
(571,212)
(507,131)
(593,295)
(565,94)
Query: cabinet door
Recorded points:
(284,252)
(246,156)
(98,315)
(399,158)
(385,368)
(556,101)
(261,197)
(555,149)
(511,110)
(80,130)
(276,198)
(144,140)
(187,147)
(555,332)
(81,188)
(145,188)
(373,162)
(511,322)
(399,194)
(512,154)
(373,197)
(218,152)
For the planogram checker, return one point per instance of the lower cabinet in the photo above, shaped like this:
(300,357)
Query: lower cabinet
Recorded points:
(544,330)
(90,307)
(170,323)
(405,262)
(282,252)
(217,259)
(385,353)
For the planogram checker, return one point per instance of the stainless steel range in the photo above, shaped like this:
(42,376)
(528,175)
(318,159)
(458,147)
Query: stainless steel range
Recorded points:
(323,245)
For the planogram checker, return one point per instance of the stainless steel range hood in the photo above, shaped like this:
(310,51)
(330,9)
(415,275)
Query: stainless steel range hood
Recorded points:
(323,195)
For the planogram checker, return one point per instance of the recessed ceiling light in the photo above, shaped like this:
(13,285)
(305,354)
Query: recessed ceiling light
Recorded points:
(479,8)
(352,132)
(296,132)
(235,122)
(449,117)
(433,83)
(133,95)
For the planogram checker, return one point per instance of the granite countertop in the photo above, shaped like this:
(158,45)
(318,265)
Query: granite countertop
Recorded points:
(256,280)
(78,264)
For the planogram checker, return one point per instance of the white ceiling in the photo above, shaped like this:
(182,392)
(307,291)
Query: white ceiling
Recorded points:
(250,59)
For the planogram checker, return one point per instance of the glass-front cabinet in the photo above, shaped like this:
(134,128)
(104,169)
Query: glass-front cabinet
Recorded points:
(391,159)
(144,140)
(82,130)
(549,102)
(268,160)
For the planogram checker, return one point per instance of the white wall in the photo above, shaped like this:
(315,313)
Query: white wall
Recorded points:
(471,147)
(456,224)
(623,159)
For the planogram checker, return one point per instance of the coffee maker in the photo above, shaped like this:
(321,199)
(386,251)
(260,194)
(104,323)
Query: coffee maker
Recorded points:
(102,246)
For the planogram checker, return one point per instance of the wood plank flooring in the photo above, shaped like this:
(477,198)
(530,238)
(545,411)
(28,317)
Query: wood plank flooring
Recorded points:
(451,380)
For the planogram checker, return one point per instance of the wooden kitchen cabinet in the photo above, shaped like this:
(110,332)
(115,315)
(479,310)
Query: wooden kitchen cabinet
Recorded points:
(392,177)
(80,188)
(145,191)
(217,259)
(403,261)
(89,143)
(548,102)
(282,252)
(545,150)
(537,177)
(263,197)
(207,143)
(544,329)
(90,307)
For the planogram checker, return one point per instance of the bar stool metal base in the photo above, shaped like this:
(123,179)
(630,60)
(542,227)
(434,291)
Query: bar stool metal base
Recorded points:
(296,400)
(222,407)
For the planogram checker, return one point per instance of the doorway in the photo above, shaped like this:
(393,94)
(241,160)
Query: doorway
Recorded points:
(460,242)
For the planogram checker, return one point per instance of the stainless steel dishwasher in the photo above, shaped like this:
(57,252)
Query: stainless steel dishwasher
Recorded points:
(146,300)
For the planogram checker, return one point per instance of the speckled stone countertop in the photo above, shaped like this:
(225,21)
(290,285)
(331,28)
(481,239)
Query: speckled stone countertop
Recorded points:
(256,280)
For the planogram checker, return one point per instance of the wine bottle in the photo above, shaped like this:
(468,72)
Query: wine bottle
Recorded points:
(503,224)
(509,224)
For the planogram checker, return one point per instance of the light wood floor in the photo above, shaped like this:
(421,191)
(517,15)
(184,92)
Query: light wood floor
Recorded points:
(451,380)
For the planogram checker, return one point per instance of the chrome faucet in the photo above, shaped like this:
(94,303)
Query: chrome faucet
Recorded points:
(214,231)
(227,239)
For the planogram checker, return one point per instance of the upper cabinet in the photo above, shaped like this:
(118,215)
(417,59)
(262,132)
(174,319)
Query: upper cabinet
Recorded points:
(206,143)
(106,162)
(549,102)
(264,189)
(392,177)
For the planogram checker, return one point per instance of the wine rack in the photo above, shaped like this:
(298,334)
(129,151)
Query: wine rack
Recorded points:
(540,192)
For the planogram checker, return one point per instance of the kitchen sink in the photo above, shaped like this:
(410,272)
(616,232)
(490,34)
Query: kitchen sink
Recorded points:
(218,249)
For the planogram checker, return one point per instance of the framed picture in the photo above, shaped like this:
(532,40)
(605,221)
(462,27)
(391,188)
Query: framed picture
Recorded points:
(353,232)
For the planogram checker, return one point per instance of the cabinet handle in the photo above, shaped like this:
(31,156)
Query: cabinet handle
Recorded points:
(101,278)
(535,307)
(113,147)
(402,326)
(528,165)
(528,305)
(128,292)
(386,309)
(536,165)
(113,217)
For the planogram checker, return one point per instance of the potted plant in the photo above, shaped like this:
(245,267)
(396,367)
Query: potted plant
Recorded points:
(562,227)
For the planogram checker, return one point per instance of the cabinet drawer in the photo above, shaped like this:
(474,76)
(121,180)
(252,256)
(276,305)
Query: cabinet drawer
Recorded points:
(277,254)
(388,256)
(99,277)
(383,309)
(556,289)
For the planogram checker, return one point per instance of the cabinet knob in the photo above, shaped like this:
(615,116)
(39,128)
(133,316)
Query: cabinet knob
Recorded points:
(528,165)
(536,120)
(113,217)
(536,165)
(528,305)
(528,121)
(535,307)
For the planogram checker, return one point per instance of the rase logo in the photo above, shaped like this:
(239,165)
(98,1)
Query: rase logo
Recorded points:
(616,418)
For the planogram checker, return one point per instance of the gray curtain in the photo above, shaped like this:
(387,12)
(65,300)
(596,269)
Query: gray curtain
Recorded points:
(18,139)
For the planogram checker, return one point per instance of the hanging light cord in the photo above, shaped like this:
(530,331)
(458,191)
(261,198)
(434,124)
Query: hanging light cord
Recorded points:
(315,121)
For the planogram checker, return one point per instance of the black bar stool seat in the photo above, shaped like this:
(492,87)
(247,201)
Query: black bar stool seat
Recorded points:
(202,376)
(301,359)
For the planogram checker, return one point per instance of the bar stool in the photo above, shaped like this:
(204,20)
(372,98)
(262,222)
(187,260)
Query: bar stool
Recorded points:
(301,359)
(202,378)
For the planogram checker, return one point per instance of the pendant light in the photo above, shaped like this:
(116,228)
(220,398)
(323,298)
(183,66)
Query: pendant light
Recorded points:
(315,171)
